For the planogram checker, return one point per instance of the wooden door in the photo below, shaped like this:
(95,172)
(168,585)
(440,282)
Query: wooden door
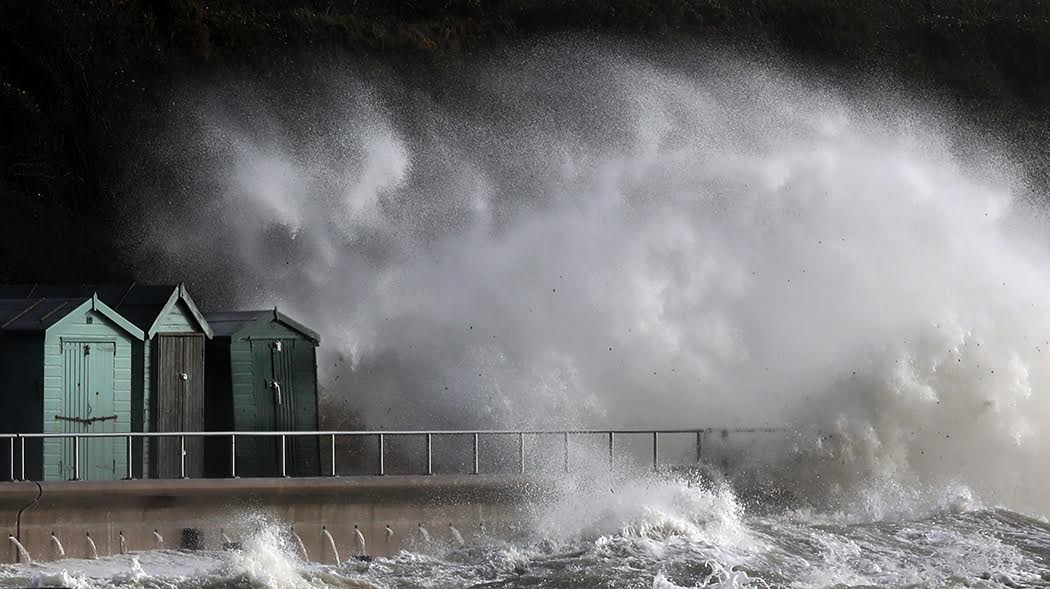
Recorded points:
(178,362)
(279,400)
(89,406)
(294,402)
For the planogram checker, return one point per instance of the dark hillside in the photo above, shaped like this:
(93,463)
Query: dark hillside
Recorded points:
(79,78)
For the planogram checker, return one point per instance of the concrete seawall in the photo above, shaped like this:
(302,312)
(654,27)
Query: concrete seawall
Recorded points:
(478,504)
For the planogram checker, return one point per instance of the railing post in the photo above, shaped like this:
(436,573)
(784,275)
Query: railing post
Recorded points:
(656,451)
(612,448)
(76,458)
(476,460)
(565,435)
(131,473)
(521,452)
(382,465)
(332,440)
(233,456)
(284,457)
(22,457)
(182,456)
(12,461)
(430,454)
(699,446)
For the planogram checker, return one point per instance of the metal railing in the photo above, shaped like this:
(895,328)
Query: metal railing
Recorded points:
(281,437)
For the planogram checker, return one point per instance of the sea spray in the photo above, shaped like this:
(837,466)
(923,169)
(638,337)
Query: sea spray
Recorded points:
(457,538)
(674,241)
(268,560)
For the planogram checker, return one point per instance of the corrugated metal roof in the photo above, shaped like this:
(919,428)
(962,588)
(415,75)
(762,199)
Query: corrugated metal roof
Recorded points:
(35,314)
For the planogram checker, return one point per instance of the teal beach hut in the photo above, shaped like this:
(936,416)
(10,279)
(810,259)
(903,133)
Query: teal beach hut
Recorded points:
(67,368)
(262,376)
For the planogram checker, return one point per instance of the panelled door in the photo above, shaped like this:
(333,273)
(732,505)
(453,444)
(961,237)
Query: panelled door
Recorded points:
(178,362)
(295,382)
(89,406)
(281,396)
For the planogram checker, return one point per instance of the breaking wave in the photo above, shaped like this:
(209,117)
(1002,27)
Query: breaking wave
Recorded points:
(581,236)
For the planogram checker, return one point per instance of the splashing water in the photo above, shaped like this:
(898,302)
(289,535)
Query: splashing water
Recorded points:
(92,550)
(23,554)
(302,547)
(456,536)
(740,246)
(581,236)
(359,542)
(422,536)
(711,543)
(59,549)
(158,538)
(331,543)
(267,560)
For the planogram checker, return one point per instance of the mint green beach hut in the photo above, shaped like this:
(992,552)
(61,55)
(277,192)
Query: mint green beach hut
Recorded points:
(67,368)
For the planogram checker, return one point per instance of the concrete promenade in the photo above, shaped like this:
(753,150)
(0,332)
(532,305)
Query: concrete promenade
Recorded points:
(474,504)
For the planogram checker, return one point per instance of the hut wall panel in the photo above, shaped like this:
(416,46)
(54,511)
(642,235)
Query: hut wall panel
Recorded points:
(245,417)
(270,330)
(139,409)
(20,381)
(218,406)
(242,377)
(177,320)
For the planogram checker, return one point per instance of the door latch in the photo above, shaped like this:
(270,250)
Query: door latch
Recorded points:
(184,376)
(277,391)
(87,421)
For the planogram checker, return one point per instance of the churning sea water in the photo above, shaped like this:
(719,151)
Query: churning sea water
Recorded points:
(660,533)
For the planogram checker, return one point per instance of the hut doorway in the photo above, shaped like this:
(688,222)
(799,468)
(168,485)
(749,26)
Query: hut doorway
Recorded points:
(179,362)
(88,406)
(286,400)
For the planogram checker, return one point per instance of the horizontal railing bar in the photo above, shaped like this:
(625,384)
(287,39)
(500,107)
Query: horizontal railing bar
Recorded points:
(394,433)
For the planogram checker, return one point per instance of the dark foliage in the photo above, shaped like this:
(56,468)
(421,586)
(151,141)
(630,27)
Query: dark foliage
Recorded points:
(76,76)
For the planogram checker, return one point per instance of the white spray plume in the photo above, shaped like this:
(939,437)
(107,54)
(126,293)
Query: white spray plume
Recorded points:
(576,237)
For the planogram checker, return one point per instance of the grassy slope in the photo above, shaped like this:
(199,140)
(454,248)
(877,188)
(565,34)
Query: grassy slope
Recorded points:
(75,74)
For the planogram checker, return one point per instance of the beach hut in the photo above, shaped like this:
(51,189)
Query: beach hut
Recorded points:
(261,376)
(167,367)
(66,366)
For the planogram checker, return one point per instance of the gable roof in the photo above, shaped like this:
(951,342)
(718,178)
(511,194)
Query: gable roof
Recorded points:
(41,314)
(230,323)
(142,304)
